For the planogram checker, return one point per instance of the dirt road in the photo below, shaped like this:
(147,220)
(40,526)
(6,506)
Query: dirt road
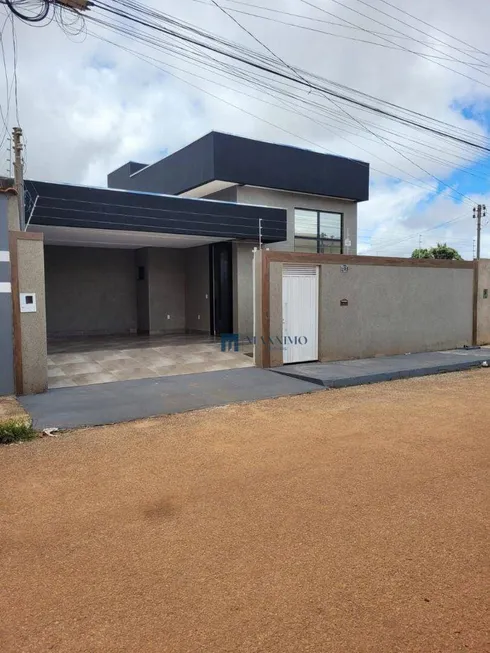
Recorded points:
(340,522)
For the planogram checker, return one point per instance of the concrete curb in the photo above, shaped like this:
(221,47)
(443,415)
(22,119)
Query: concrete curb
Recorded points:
(379,377)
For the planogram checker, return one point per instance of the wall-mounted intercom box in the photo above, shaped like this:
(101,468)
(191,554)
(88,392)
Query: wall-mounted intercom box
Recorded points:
(27,302)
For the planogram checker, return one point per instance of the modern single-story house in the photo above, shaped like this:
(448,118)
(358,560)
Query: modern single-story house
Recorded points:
(166,251)
(168,247)
(226,236)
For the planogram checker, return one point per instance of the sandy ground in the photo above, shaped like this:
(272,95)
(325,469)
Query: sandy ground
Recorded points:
(11,409)
(340,522)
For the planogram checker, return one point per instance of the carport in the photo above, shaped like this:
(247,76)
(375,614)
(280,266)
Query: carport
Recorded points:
(139,285)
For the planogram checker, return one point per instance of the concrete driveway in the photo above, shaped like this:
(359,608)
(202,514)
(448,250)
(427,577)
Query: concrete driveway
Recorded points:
(341,521)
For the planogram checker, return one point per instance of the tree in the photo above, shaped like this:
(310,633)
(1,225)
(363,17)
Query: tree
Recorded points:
(421,253)
(440,251)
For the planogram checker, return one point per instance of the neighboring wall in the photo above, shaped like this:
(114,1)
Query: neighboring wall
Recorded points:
(483,303)
(90,291)
(392,308)
(292,201)
(6,340)
(197,304)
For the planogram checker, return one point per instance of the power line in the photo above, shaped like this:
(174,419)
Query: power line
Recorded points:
(265,67)
(395,46)
(433,27)
(440,181)
(151,60)
(404,240)
(423,56)
(435,38)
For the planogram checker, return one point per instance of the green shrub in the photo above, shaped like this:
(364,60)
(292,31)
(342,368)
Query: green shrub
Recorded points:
(14,430)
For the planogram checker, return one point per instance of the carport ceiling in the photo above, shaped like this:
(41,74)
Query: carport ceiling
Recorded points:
(78,237)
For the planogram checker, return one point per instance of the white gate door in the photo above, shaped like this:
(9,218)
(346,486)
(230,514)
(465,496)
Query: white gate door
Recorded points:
(300,313)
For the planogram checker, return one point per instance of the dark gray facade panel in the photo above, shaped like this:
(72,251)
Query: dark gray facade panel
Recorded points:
(225,195)
(76,206)
(118,178)
(255,163)
(6,345)
(245,161)
(6,329)
(4,270)
(187,168)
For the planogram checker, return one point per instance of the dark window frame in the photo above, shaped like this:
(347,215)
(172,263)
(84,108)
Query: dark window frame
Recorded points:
(319,240)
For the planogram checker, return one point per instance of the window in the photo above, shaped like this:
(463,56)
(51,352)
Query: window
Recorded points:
(317,232)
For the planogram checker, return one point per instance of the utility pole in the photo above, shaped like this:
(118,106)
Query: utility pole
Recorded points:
(19,173)
(420,241)
(479,212)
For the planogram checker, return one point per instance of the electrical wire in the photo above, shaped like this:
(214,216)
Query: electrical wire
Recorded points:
(429,189)
(28,18)
(423,56)
(434,38)
(435,28)
(280,107)
(416,235)
(394,47)
(440,181)
(237,57)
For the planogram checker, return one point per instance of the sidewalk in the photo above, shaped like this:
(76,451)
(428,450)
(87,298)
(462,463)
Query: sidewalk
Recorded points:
(109,403)
(342,374)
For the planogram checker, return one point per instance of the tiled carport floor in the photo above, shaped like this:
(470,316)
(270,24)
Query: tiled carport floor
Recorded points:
(85,361)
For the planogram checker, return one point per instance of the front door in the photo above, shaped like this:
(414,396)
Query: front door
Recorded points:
(300,313)
(222,284)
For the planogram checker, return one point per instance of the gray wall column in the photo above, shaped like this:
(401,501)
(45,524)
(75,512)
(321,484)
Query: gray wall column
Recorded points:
(6,331)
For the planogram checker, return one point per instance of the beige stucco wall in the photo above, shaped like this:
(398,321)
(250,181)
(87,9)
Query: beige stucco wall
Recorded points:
(292,201)
(257,263)
(483,304)
(197,302)
(243,288)
(243,252)
(391,310)
(166,282)
(30,255)
(90,291)
(275,313)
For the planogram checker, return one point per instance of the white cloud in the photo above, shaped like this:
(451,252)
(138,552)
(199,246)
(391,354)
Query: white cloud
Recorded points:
(88,107)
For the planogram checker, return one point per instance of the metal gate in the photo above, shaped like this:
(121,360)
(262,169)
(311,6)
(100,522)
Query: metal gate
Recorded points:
(300,313)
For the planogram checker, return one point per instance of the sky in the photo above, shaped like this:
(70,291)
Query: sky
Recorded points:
(86,106)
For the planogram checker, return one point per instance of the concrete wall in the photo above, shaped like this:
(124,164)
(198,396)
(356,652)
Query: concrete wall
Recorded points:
(292,201)
(166,279)
(142,291)
(197,293)
(243,288)
(90,291)
(391,309)
(6,334)
(30,261)
(483,303)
